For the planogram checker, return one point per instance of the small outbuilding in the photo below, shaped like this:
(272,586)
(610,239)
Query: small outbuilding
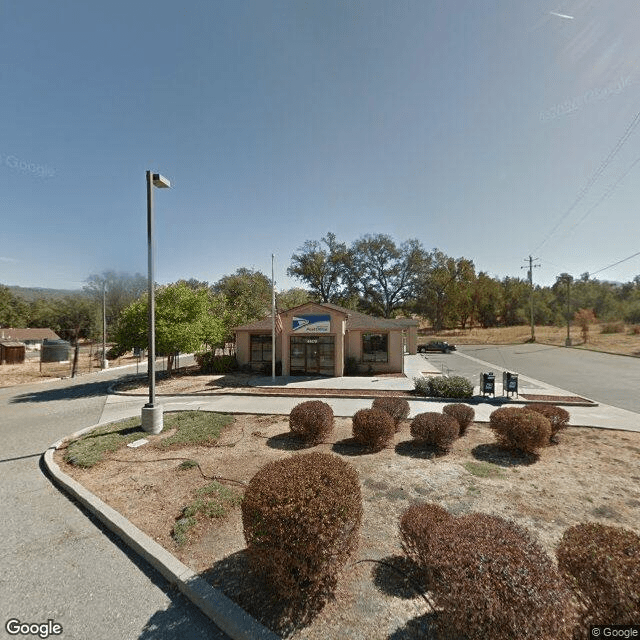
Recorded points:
(317,339)
(31,337)
(12,352)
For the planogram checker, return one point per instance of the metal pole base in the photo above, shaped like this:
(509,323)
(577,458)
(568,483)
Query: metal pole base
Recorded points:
(152,418)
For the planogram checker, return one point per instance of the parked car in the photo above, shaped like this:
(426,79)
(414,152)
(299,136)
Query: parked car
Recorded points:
(434,345)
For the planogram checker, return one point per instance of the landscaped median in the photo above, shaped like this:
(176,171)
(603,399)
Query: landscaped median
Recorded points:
(177,499)
(225,613)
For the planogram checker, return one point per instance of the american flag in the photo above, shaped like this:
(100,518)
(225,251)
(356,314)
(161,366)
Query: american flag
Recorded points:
(278,323)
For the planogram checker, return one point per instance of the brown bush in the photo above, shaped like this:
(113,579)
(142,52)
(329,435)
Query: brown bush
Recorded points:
(463,413)
(418,524)
(437,429)
(492,580)
(519,429)
(301,518)
(397,408)
(373,428)
(603,564)
(557,416)
(312,421)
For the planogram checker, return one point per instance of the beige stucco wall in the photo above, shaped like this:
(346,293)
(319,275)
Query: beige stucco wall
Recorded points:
(336,329)
(412,340)
(243,353)
(243,345)
(396,355)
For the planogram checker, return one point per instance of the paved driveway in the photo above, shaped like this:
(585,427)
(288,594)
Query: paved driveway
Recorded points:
(57,563)
(610,379)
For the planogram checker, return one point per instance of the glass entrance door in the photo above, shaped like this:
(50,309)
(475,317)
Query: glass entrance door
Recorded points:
(312,355)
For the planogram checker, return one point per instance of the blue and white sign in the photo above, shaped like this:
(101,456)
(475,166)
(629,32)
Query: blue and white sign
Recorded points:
(312,324)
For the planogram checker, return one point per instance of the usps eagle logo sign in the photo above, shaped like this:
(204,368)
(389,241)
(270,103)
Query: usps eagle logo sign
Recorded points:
(312,324)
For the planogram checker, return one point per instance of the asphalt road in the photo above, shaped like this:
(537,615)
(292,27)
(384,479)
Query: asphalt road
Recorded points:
(56,562)
(605,378)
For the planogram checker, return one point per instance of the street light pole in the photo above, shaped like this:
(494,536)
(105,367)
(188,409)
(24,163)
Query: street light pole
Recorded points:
(152,413)
(105,362)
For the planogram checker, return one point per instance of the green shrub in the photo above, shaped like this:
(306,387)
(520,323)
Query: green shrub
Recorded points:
(397,408)
(443,387)
(267,368)
(492,580)
(373,428)
(351,367)
(421,386)
(602,563)
(519,429)
(463,413)
(115,352)
(301,518)
(557,416)
(312,421)
(612,327)
(211,364)
(437,429)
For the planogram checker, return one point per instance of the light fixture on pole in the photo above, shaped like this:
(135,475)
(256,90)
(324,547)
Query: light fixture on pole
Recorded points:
(152,413)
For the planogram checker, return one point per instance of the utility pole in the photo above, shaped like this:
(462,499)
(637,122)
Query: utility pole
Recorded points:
(530,273)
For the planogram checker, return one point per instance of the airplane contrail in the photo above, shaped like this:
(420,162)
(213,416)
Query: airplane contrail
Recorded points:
(561,15)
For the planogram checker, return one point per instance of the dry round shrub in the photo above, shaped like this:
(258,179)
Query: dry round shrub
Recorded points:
(492,580)
(557,416)
(437,429)
(397,408)
(373,428)
(312,421)
(301,518)
(519,429)
(418,524)
(603,563)
(463,413)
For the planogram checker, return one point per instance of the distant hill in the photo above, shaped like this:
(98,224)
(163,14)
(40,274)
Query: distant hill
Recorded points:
(33,293)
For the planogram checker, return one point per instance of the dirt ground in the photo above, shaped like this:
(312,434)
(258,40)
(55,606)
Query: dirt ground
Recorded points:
(591,475)
(625,342)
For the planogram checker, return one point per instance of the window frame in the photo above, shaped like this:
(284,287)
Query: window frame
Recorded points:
(369,357)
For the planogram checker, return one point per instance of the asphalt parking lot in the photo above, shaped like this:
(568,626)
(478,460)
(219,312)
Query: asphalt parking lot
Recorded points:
(605,378)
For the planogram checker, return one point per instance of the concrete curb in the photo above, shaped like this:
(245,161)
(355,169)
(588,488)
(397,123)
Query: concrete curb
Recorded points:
(475,400)
(222,611)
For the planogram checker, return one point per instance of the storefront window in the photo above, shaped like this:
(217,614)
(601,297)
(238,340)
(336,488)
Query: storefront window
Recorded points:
(375,347)
(261,348)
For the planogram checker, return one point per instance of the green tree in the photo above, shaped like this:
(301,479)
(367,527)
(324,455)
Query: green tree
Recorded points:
(292,298)
(77,317)
(13,309)
(121,289)
(185,321)
(437,297)
(247,296)
(515,301)
(322,265)
(386,274)
(487,300)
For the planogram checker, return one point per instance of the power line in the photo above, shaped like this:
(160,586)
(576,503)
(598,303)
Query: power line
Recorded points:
(615,264)
(606,194)
(599,171)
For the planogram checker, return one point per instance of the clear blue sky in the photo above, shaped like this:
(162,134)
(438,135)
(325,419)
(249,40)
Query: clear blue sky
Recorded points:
(485,129)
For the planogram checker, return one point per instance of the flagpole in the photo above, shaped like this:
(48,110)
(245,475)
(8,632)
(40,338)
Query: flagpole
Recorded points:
(273,322)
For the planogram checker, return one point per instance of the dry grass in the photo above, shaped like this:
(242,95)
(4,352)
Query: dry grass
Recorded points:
(589,476)
(626,343)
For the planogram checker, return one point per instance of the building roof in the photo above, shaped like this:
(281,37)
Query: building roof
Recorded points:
(11,343)
(356,321)
(28,334)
